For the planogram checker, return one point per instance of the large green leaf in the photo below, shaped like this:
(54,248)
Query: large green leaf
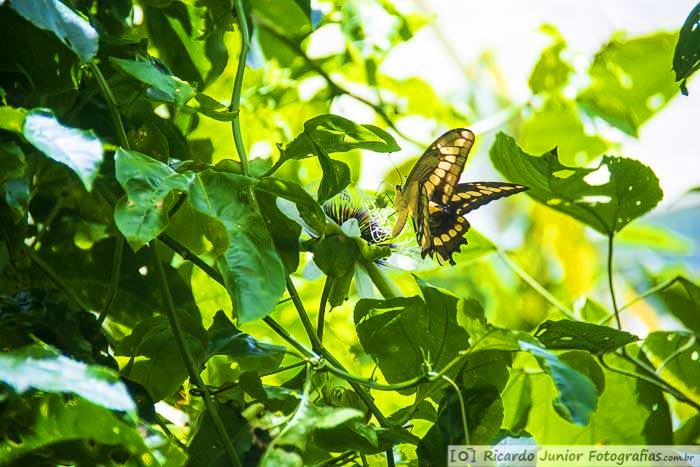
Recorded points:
(164,86)
(682,300)
(631,80)
(253,271)
(51,67)
(403,333)
(42,368)
(577,396)
(686,56)
(71,28)
(80,150)
(150,187)
(606,198)
(484,412)
(676,356)
(568,334)
(158,365)
(630,411)
(55,421)
(551,72)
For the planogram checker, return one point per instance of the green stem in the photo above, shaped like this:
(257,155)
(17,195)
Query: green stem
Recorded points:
(111,104)
(656,289)
(189,361)
(304,316)
(611,250)
(379,279)
(462,407)
(238,85)
(536,286)
(114,279)
(328,283)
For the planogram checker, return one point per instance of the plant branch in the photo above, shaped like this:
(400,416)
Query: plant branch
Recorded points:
(327,284)
(237,86)
(189,361)
(111,104)
(536,286)
(611,237)
(462,407)
(379,279)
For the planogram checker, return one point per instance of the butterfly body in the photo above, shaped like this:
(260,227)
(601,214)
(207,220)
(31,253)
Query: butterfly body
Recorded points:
(437,202)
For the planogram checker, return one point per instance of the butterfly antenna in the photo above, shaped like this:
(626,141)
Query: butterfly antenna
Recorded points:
(396,169)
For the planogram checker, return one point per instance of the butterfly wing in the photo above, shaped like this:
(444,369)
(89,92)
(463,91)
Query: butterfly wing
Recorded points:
(448,227)
(469,196)
(433,179)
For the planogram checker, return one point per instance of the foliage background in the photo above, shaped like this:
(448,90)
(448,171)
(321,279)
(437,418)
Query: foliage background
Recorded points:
(597,80)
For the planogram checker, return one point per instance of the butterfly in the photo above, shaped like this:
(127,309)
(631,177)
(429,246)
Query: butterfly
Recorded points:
(437,202)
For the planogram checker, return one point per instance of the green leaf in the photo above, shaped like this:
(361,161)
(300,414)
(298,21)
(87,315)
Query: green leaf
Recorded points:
(630,411)
(517,401)
(71,28)
(551,72)
(150,186)
(556,122)
(675,356)
(402,333)
(631,80)
(309,210)
(80,150)
(285,232)
(335,255)
(206,448)
(606,198)
(484,416)
(12,119)
(356,435)
(686,56)
(337,134)
(42,368)
(214,109)
(253,271)
(249,353)
(586,364)
(683,301)
(164,86)
(577,394)
(14,183)
(566,334)
(158,366)
(55,421)
(336,176)
(295,435)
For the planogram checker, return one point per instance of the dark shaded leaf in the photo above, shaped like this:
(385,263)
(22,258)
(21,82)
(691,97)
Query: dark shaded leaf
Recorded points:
(606,198)
(675,356)
(309,210)
(402,334)
(683,301)
(686,56)
(14,183)
(568,334)
(249,353)
(206,447)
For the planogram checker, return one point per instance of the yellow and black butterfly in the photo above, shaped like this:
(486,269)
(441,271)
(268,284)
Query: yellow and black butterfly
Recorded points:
(437,202)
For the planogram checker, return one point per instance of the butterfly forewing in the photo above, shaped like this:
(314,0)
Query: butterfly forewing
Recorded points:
(469,196)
